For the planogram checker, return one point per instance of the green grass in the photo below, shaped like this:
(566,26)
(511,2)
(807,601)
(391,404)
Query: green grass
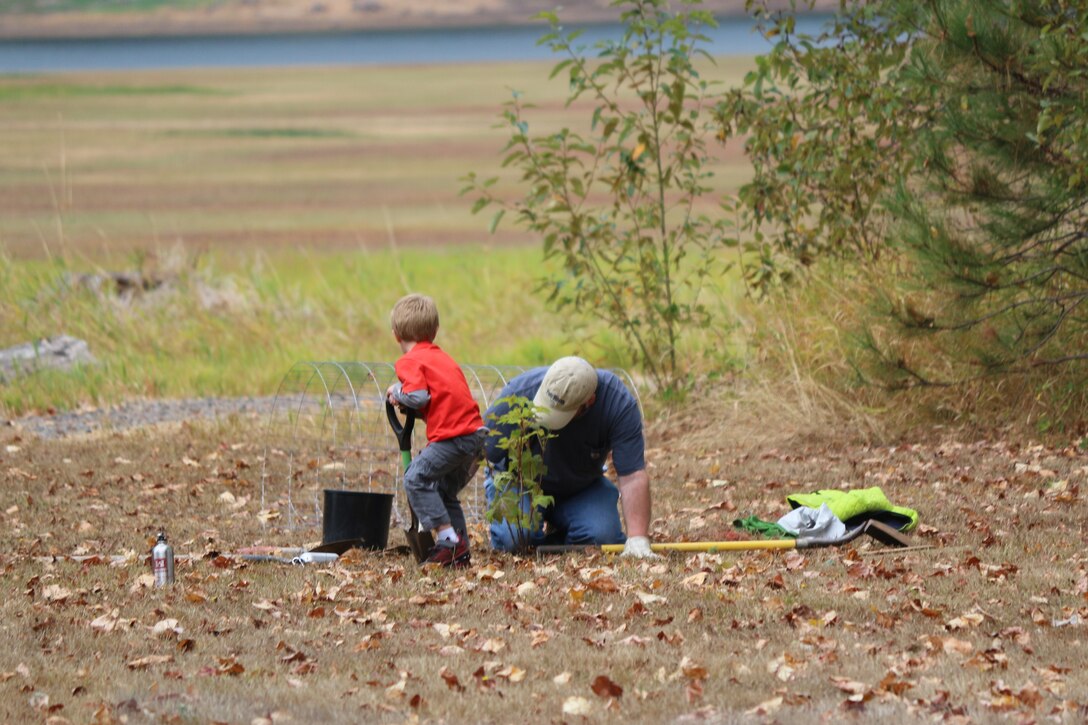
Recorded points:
(237,330)
(34,89)
(234,325)
(285,133)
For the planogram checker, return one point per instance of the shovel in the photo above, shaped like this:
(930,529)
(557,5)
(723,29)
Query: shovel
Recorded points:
(871,527)
(420,542)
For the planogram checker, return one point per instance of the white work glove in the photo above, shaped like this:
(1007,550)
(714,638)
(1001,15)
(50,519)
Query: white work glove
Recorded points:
(639,548)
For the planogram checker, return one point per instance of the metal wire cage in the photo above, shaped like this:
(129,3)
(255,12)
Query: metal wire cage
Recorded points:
(328,430)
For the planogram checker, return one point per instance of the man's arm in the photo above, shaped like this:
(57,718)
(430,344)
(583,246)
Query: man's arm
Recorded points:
(635,501)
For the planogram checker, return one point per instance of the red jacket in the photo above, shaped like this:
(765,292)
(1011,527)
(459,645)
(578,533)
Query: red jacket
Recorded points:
(452,411)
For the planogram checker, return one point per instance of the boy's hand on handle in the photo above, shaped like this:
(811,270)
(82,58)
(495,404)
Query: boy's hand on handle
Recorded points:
(391,398)
(638,547)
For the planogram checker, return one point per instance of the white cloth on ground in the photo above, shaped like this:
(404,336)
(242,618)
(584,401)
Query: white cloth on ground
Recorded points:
(805,523)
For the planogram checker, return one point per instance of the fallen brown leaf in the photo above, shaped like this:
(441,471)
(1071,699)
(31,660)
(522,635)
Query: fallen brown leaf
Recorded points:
(602,686)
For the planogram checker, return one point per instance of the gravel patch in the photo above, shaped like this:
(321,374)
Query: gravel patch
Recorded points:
(139,414)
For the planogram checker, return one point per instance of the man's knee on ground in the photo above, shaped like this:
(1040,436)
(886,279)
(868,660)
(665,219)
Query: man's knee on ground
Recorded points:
(600,531)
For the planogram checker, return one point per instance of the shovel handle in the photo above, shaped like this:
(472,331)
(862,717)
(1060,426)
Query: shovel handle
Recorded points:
(419,542)
(708,546)
(403,431)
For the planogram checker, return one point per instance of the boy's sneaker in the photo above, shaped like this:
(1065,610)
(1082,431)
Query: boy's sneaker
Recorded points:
(450,555)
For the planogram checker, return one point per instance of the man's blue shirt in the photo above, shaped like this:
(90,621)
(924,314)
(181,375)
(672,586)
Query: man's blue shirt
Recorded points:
(576,456)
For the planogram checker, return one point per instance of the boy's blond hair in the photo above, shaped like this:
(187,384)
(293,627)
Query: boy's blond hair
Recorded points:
(415,318)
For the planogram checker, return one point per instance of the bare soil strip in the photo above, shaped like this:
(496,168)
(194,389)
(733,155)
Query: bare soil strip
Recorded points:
(232,17)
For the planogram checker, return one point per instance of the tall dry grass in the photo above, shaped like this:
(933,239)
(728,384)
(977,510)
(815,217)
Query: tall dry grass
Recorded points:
(809,369)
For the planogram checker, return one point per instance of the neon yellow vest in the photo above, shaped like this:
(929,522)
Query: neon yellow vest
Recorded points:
(862,503)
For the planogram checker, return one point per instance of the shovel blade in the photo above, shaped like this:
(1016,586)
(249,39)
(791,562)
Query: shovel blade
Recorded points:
(886,534)
(420,542)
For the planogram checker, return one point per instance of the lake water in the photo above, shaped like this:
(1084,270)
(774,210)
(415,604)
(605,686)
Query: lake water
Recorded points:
(734,36)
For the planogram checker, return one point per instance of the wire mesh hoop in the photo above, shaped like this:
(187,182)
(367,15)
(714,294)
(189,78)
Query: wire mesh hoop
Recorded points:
(328,430)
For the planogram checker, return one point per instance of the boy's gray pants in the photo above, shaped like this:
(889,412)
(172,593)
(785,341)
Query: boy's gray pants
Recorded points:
(435,478)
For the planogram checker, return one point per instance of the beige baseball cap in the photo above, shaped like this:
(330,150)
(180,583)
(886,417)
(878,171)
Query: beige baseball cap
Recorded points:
(568,384)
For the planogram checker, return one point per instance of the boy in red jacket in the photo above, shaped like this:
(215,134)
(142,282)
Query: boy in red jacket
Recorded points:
(431,384)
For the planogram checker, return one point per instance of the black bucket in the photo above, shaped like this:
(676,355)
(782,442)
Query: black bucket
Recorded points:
(361,517)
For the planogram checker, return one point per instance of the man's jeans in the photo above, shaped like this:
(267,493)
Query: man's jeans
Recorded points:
(589,516)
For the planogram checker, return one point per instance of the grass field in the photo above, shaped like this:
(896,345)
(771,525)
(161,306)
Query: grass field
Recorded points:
(282,211)
(332,158)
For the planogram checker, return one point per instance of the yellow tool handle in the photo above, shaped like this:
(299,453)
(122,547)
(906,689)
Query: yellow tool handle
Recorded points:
(711,546)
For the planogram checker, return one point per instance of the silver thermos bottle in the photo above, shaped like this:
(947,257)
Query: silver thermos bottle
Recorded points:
(162,562)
